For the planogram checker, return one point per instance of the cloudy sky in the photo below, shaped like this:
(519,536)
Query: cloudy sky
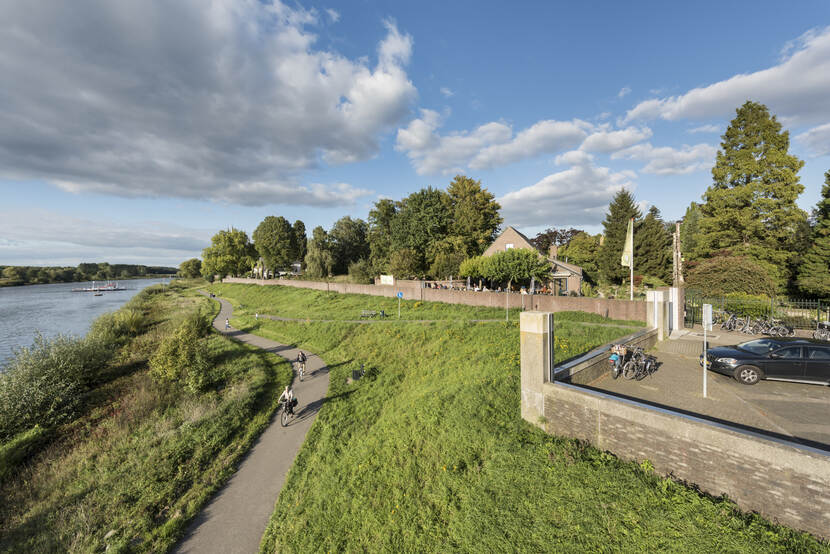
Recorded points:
(132,131)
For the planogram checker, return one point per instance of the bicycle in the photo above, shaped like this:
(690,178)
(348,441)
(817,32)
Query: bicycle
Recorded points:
(287,414)
(301,369)
(822,331)
(640,365)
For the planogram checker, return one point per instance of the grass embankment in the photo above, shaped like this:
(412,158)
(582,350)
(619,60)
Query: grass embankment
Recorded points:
(297,303)
(428,452)
(138,457)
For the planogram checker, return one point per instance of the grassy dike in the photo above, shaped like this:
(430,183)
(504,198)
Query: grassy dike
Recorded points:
(428,452)
(141,457)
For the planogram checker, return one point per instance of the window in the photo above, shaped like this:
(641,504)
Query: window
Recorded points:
(791,353)
(508,246)
(818,353)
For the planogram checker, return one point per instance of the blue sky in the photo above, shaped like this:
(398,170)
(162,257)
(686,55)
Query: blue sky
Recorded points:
(131,132)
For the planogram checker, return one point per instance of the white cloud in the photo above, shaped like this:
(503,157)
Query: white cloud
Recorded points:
(334,15)
(226,101)
(796,89)
(606,140)
(447,92)
(817,140)
(576,196)
(490,145)
(666,160)
(705,129)
(623,92)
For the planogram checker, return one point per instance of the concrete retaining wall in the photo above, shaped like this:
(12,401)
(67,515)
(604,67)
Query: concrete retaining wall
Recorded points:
(783,481)
(592,365)
(614,309)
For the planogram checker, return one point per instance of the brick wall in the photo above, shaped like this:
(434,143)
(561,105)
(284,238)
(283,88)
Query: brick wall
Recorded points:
(783,481)
(614,309)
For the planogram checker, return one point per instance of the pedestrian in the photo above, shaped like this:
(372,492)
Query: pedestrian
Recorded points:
(227,324)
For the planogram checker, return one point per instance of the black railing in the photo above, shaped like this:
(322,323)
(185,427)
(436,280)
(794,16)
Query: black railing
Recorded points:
(798,313)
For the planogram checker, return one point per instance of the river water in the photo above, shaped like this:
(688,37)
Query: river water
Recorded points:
(55,309)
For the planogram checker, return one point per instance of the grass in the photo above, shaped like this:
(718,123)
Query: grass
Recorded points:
(136,467)
(428,452)
(297,303)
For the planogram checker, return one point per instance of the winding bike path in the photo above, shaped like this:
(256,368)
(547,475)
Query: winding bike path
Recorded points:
(235,518)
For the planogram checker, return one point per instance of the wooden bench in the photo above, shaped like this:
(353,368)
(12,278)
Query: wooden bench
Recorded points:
(368,313)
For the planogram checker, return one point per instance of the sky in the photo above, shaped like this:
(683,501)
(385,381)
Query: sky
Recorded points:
(131,132)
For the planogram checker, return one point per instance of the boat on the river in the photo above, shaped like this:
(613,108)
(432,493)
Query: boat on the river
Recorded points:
(107,287)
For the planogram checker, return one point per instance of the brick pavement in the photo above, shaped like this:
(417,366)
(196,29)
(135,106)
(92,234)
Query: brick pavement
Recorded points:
(793,411)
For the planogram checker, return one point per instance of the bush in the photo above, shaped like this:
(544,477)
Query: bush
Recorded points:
(359,272)
(181,356)
(44,384)
(730,274)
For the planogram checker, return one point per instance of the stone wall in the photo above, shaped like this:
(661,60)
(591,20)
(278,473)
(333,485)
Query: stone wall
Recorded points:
(783,481)
(614,309)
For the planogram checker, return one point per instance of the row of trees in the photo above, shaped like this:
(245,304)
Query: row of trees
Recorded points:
(747,225)
(34,275)
(508,267)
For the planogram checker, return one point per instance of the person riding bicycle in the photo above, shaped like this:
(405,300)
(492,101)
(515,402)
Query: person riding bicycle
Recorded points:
(287,396)
(301,359)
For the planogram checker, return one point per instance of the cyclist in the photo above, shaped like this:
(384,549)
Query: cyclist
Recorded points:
(301,359)
(287,396)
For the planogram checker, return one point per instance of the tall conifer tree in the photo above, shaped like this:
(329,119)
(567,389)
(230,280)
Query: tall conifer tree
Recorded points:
(621,209)
(750,207)
(814,273)
(653,247)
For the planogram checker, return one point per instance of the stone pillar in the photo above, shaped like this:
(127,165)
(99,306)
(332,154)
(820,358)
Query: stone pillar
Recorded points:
(535,358)
(657,316)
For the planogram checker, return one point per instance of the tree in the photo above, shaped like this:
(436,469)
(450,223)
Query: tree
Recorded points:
(230,253)
(319,259)
(275,242)
(517,265)
(653,247)
(727,274)
(558,237)
(750,207)
(446,255)
(475,267)
(348,242)
(300,241)
(190,269)
(583,250)
(474,213)
(403,263)
(689,229)
(423,217)
(814,273)
(379,234)
(621,209)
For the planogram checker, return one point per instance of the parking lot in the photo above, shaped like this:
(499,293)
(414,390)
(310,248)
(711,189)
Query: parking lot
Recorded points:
(792,411)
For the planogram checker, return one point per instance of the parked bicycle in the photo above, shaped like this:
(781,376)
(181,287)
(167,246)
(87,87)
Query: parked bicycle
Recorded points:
(822,331)
(640,365)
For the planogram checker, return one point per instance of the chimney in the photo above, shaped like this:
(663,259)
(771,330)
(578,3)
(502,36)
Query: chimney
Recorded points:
(554,250)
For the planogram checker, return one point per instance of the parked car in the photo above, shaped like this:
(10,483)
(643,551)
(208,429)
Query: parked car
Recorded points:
(782,359)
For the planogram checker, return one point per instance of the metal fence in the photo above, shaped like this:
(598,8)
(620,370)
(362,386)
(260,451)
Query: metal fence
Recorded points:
(798,313)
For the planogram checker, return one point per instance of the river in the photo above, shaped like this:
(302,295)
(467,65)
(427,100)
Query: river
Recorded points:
(55,309)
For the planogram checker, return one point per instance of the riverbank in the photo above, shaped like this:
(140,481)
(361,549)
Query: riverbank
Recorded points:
(50,310)
(135,460)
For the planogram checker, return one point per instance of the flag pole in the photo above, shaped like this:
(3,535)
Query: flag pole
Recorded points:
(631,276)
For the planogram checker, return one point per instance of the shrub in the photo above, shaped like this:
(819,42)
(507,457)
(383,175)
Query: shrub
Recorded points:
(730,274)
(181,356)
(359,272)
(44,384)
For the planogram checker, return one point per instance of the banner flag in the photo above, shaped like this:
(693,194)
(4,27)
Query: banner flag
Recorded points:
(628,251)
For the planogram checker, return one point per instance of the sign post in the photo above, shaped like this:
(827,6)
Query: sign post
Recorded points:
(400,295)
(707,326)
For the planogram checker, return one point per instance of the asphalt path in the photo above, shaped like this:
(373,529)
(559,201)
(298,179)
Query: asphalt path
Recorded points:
(236,517)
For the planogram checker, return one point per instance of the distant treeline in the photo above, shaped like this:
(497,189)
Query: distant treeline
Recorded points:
(34,275)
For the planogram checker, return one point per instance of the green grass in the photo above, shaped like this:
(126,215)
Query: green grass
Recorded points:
(145,456)
(428,452)
(297,303)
